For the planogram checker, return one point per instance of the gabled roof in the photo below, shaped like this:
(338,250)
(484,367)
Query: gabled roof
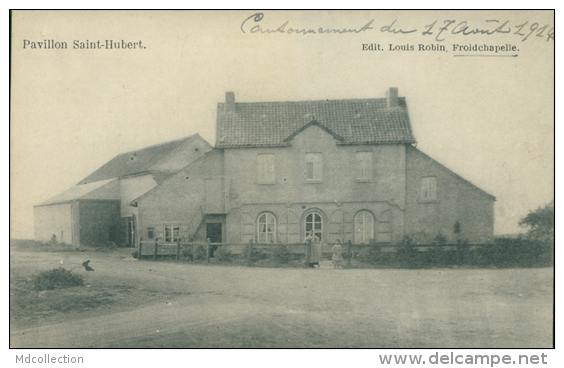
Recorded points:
(207,156)
(135,162)
(311,123)
(269,124)
(449,171)
(100,190)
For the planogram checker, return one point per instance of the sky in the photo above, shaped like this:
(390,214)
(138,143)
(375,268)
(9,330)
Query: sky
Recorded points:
(487,116)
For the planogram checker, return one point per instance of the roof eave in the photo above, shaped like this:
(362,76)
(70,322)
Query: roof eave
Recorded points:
(277,145)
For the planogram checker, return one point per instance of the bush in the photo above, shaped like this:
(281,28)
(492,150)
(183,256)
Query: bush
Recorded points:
(281,254)
(256,254)
(186,253)
(440,240)
(57,278)
(370,255)
(223,254)
(408,257)
(200,253)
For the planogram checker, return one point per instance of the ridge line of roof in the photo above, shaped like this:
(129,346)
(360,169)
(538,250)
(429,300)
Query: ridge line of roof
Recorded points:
(305,101)
(178,148)
(159,144)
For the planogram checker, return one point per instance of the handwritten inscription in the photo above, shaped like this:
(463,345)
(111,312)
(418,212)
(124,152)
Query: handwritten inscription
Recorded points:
(438,29)
(535,28)
(257,18)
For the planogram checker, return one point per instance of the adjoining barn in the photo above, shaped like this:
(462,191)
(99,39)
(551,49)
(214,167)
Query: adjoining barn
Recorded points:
(96,211)
(346,169)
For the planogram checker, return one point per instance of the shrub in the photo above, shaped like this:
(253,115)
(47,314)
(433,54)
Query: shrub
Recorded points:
(187,253)
(223,254)
(200,253)
(256,254)
(440,240)
(281,254)
(406,255)
(57,278)
(370,255)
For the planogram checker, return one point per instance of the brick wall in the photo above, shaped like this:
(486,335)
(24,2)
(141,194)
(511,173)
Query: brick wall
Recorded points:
(456,201)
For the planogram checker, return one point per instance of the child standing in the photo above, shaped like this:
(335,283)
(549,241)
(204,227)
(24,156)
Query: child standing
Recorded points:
(337,254)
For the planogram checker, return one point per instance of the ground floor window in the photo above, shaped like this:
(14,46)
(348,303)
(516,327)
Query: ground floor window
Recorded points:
(363,227)
(172,233)
(150,233)
(314,221)
(266,228)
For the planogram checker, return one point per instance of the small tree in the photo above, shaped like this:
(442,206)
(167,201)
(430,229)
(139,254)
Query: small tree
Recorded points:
(541,224)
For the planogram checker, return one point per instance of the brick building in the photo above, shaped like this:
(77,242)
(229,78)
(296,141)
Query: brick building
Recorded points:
(348,169)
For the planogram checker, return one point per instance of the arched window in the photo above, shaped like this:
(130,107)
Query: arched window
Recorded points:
(266,228)
(314,221)
(363,227)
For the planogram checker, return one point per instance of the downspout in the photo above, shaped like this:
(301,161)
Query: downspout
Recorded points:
(72,224)
(405,196)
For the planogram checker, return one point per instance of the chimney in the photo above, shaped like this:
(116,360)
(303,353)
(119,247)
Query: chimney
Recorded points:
(392,97)
(229,102)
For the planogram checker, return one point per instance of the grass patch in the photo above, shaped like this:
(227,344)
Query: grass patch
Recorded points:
(26,245)
(57,278)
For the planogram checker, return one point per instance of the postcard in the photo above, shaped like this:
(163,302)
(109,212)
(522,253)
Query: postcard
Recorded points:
(283,179)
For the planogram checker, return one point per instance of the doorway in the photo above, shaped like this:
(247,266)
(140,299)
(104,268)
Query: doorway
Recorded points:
(213,232)
(130,230)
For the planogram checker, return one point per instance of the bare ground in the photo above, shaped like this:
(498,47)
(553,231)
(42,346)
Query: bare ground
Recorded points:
(145,304)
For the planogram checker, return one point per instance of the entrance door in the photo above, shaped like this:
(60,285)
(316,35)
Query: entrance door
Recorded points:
(213,232)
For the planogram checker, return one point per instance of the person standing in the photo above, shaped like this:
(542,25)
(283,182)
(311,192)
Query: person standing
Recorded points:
(337,254)
(314,245)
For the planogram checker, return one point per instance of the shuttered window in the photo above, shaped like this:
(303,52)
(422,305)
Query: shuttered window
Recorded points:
(314,164)
(266,168)
(364,166)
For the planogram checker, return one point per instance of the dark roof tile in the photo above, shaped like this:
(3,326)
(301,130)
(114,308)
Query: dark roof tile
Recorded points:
(363,121)
(134,162)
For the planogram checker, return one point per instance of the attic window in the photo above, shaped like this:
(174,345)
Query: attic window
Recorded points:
(197,149)
(428,189)
(132,158)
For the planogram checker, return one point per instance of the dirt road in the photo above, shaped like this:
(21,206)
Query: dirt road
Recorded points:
(218,306)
